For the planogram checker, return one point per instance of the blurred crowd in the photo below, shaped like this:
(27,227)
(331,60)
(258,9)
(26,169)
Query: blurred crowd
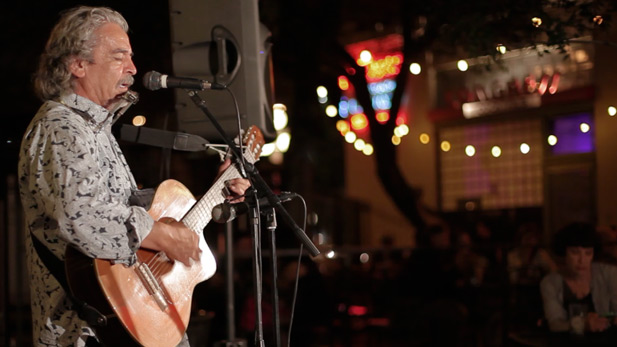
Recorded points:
(457,287)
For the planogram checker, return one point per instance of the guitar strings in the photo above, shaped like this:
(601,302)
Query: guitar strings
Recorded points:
(156,264)
(159,261)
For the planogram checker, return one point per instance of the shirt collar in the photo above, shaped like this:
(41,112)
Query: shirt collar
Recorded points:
(98,114)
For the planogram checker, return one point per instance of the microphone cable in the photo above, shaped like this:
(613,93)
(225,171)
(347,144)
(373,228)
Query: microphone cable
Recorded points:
(239,123)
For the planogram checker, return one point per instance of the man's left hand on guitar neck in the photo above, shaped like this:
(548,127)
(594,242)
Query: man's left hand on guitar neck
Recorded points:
(236,187)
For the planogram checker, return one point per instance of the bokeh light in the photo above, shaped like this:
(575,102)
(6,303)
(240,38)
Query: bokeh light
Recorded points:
(415,68)
(282,141)
(322,92)
(350,137)
(552,140)
(331,111)
(496,151)
(139,120)
(536,21)
(445,146)
(470,150)
(279,116)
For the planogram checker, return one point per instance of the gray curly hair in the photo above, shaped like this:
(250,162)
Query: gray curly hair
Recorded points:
(72,37)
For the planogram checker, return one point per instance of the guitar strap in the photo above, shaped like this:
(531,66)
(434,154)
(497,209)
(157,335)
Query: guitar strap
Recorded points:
(86,312)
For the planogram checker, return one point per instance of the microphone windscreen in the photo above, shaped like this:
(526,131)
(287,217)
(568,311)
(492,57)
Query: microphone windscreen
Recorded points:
(152,80)
(221,213)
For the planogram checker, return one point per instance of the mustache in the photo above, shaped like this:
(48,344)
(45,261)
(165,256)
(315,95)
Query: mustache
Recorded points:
(127,80)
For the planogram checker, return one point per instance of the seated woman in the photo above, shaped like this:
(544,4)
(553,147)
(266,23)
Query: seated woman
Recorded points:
(528,262)
(580,281)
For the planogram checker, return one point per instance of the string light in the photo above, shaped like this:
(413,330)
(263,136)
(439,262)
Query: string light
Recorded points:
(462,65)
(598,20)
(552,140)
(424,138)
(445,146)
(496,151)
(612,111)
(470,150)
(501,49)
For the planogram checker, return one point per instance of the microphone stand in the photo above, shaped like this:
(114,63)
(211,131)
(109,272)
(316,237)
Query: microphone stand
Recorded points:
(229,286)
(258,182)
(271,225)
(250,172)
(257,279)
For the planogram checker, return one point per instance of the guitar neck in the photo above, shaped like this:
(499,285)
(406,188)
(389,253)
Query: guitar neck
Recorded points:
(201,213)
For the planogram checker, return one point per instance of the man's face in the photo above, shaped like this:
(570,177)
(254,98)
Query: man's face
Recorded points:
(111,71)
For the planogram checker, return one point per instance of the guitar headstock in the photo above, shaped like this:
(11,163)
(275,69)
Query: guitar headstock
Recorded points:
(253,142)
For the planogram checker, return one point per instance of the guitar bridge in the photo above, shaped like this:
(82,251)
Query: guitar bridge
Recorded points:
(151,284)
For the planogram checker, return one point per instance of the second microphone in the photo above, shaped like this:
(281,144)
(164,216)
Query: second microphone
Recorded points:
(226,212)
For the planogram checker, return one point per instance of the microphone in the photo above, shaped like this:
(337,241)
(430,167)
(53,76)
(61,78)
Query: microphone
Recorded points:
(163,138)
(226,212)
(154,81)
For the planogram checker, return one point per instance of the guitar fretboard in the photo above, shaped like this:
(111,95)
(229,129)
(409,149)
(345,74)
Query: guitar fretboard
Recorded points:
(201,213)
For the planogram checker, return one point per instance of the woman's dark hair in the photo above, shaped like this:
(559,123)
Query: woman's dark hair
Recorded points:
(577,234)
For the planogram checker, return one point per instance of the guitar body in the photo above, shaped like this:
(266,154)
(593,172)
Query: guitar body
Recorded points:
(149,302)
(134,315)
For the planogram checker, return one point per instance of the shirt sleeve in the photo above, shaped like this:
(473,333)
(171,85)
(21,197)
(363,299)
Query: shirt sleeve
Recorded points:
(552,300)
(90,207)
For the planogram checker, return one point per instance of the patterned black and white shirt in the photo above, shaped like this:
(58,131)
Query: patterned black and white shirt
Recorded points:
(74,185)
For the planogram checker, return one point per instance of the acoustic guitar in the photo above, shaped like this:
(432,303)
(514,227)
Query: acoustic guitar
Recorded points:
(149,302)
